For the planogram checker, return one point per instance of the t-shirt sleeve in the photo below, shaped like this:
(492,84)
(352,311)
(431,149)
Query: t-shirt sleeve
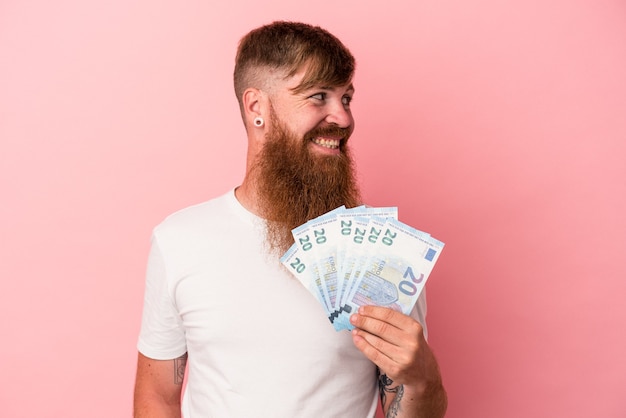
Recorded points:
(162,336)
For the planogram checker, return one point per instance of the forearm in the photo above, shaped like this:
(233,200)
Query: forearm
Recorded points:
(400,401)
(155,407)
(158,387)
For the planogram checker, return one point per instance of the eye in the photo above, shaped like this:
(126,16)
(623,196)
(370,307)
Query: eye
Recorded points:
(346,100)
(319,96)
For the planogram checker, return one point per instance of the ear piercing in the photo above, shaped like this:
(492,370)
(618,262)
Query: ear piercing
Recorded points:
(258,121)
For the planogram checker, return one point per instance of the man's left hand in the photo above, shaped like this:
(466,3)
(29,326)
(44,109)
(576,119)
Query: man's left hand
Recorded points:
(395,343)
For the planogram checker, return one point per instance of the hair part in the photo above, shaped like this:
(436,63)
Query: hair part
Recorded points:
(287,47)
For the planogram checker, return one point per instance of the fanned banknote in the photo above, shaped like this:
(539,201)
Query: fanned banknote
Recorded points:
(348,258)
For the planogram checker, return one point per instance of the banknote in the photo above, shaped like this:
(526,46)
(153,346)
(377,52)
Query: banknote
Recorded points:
(354,231)
(396,269)
(317,251)
(297,266)
(348,258)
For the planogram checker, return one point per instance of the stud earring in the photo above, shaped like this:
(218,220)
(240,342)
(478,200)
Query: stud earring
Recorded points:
(258,121)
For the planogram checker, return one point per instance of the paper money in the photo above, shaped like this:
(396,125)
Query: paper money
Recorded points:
(348,258)
(315,250)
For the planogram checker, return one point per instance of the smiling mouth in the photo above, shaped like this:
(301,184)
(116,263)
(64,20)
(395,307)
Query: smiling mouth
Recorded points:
(327,143)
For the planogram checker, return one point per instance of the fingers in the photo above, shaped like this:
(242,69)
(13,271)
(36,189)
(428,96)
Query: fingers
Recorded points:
(392,326)
(374,348)
(389,339)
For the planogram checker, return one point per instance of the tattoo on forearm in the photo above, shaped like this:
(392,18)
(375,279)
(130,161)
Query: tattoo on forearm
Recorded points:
(179,369)
(385,386)
(394,408)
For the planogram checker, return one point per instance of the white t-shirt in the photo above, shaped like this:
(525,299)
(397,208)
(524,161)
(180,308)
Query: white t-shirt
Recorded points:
(259,344)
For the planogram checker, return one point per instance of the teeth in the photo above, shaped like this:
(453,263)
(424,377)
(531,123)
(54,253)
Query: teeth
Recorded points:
(328,143)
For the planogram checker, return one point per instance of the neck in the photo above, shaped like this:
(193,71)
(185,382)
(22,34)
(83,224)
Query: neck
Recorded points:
(246,194)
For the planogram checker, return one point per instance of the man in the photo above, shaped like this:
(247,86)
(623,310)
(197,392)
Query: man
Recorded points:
(257,343)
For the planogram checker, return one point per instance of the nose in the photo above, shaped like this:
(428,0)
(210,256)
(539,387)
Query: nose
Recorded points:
(340,115)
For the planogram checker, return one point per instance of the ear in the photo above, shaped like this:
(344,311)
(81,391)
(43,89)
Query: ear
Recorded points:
(254,106)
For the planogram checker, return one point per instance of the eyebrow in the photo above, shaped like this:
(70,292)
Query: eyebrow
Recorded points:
(296,91)
(333,88)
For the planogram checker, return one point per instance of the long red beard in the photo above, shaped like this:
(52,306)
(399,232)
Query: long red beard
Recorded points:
(294,185)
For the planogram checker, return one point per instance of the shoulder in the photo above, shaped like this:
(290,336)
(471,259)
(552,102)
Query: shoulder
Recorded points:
(205,222)
(200,215)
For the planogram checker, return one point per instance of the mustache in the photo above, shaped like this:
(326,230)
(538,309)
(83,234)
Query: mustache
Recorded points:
(333,131)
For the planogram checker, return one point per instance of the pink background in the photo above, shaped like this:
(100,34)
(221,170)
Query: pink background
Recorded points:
(497,126)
